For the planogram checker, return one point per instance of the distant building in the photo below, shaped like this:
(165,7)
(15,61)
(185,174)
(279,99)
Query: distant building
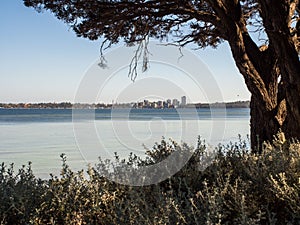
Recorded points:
(175,102)
(140,104)
(153,105)
(159,104)
(165,105)
(183,101)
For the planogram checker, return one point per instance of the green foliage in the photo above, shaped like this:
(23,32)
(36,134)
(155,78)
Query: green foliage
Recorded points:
(20,194)
(237,187)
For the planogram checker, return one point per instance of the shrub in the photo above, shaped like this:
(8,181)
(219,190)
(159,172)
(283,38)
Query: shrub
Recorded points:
(235,187)
(20,194)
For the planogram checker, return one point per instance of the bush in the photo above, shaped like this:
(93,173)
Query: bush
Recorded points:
(237,187)
(20,194)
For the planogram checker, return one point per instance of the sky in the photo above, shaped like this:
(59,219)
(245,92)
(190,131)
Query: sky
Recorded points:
(42,60)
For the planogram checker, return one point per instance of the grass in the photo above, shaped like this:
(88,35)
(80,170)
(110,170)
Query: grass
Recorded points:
(237,187)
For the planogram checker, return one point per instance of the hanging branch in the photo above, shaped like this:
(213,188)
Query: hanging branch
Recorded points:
(141,51)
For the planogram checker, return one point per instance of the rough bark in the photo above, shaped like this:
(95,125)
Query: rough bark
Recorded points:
(264,124)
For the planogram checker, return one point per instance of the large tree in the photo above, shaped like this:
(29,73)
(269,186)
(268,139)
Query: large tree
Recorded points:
(271,69)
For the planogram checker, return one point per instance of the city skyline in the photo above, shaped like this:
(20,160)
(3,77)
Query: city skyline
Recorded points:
(167,103)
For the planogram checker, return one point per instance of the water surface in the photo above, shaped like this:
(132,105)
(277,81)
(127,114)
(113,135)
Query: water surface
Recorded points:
(41,135)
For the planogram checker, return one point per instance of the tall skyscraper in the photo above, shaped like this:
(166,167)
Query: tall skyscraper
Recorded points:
(183,100)
(175,102)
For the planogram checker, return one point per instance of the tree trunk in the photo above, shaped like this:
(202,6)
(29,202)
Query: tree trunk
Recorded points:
(277,18)
(263,124)
(267,105)
(275,101)
(291,125)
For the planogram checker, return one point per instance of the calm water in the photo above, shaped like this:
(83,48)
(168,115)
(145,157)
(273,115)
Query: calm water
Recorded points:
(41,135)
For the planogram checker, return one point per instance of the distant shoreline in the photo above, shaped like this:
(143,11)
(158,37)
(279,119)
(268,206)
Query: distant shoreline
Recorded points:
(68,105)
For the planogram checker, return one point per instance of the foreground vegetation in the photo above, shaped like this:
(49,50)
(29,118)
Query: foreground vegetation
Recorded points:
(237,187)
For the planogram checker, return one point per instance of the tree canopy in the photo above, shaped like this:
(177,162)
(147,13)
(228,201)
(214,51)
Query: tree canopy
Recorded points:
(202,22)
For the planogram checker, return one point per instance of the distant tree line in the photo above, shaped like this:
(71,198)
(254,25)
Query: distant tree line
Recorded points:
(61,105)
(50,105)
(239,104)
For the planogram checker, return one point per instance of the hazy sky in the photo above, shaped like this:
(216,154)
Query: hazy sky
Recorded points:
(42,60)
